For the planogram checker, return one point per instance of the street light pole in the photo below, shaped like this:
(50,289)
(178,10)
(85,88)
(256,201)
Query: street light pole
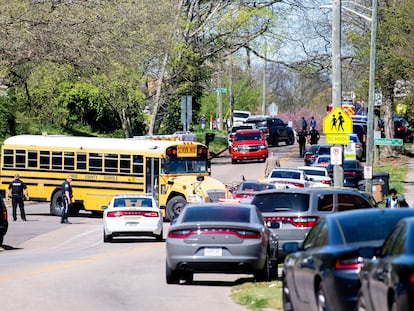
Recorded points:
(337,76)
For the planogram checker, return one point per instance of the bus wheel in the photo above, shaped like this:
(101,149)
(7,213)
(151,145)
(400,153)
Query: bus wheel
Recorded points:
(175,206)
(56,206)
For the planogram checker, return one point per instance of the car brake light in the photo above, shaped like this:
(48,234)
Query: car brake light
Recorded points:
(349,263)
(132,213)
(412,278)
(185,233)
(302,222)
(326,182)
(4,213)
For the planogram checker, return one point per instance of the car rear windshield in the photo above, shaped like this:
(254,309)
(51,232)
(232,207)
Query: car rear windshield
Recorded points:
(285,174)
(256,186)
(133,202)
(217,214)
(259,123)
(244,115)
(282,202)
(314,172)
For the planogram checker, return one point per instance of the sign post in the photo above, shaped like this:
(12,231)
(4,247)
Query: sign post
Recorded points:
(186,112)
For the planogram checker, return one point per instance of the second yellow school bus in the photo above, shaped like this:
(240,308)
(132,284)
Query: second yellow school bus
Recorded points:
(174,172)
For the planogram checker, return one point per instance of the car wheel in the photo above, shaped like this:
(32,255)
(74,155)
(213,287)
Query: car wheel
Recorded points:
(56,206)
(175,206)
(1,239)
(188,276)
(275,141)
(160,236)
(291,139)
(264,273)
(361,306)
(286,302)
(107,237)
(321,299)
(171,276)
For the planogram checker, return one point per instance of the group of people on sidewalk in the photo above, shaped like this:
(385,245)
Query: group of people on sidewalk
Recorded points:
(304,137)
(17,192)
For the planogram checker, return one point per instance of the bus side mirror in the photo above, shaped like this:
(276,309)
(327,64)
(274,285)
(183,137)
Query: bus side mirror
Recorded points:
(209,138)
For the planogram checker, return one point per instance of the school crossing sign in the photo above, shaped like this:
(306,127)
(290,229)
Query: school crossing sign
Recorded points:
(337,124)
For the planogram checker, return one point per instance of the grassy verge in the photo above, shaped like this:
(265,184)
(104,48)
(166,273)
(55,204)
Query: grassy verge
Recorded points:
(258,296)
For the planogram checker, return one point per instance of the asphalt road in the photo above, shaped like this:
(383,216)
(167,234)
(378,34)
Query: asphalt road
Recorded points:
(46,265)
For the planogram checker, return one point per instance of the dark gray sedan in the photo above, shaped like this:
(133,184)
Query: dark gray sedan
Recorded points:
(219,238)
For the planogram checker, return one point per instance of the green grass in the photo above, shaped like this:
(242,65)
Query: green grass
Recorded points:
(258,296)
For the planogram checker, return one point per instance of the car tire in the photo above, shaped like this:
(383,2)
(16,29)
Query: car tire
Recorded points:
(291,140)
(264,273)
(361,305)
(107,238)
(1,239)
(56,205)
(321,299)
(286,301)
(160,237)
(171,276)
(175,206)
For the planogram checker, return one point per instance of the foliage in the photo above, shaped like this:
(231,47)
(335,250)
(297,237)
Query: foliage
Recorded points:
(258,296)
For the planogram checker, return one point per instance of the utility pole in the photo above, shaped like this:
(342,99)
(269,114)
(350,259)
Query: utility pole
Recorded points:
(264,81)
(337,76)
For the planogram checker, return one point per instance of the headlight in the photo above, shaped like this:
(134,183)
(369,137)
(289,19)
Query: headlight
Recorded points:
(196,199)
(236,148)
(262,147)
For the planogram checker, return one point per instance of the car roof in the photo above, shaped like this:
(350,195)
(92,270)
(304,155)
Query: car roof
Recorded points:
(245,131)
(365,213)
(126,195)
(313,168)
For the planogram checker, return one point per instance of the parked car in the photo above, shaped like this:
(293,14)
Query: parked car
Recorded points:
(353,138)
(291,177)
(311,154)
(353,172)
(4,224)
(322,272)
(387,281)
(319,176)
(322,161)
(402,129)
(275,129)
(132,215)
(248,145)
(247,189)
(236,128)
(290,213)
(219,238)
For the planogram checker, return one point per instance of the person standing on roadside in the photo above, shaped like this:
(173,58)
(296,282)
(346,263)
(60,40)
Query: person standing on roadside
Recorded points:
(314,136)
(17,192)
(66,200)
(301,137)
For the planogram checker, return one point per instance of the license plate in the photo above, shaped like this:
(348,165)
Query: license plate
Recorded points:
(213,252)
(131,224)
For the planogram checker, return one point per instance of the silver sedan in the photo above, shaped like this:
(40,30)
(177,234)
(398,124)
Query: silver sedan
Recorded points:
(219,238)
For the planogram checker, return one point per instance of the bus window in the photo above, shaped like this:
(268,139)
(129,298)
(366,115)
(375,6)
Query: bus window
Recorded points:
(56,160)
(81,161)
(69,161)
(111,163)
(44,160)
(95,162)
(8,158)
(32,159)
(138,165)
(21,158)
(125,164)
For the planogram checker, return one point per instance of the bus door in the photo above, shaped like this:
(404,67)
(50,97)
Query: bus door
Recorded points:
(152,176)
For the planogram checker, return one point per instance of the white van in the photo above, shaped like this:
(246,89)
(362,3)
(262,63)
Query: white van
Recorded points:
(239,116)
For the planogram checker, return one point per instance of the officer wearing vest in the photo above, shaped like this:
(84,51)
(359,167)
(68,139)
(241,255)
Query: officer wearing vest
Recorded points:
(17,192)
(66,200)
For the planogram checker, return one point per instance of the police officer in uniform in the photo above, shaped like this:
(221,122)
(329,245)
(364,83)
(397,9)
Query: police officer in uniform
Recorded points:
(66,199)
(17,191)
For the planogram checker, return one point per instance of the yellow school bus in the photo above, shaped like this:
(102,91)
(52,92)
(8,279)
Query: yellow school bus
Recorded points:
(174,172)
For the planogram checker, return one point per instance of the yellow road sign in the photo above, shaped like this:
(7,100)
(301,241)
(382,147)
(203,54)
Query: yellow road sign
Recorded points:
(337,122)
(337,139)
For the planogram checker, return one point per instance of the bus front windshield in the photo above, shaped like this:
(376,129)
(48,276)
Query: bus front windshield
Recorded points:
(184,166)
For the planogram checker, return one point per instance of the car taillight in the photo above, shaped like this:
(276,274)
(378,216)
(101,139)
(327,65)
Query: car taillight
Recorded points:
(326,182)
(349,263)
(412,278)
(132,213)
(185,233)
(302,222)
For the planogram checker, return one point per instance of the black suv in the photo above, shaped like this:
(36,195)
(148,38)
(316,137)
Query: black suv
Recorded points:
(274,129)
(3,220)
(291,213)
(360,128)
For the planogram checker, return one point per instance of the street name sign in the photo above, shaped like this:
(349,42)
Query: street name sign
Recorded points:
(388,141)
